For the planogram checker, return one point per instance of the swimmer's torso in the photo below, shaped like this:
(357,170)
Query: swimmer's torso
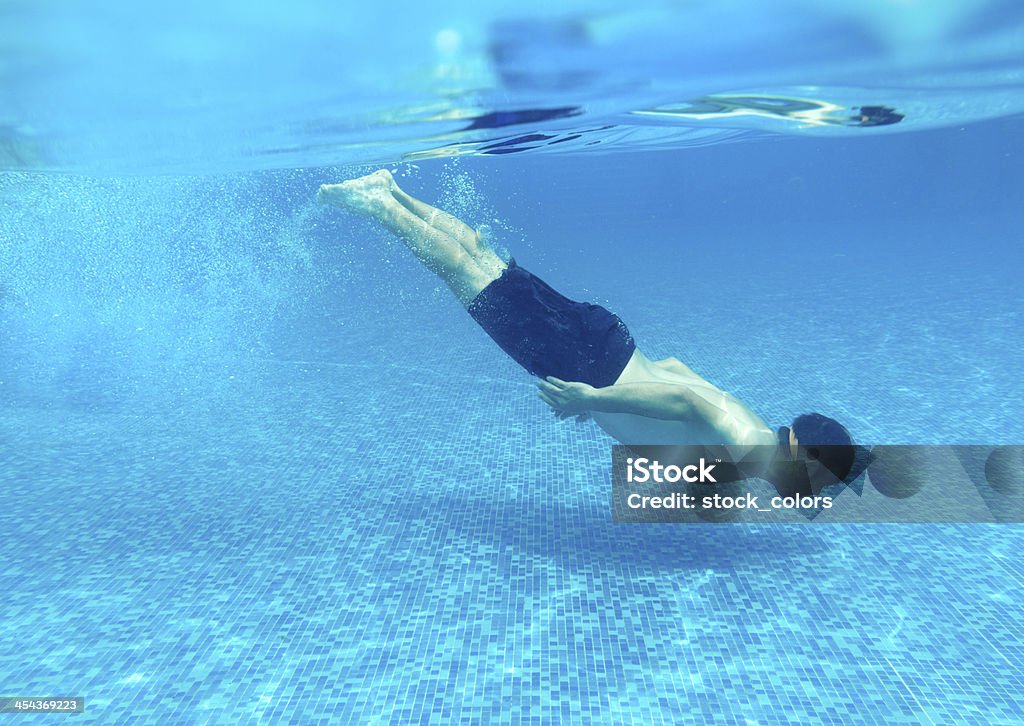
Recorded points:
(746,427)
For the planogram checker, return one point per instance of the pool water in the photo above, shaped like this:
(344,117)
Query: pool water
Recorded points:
(257,466)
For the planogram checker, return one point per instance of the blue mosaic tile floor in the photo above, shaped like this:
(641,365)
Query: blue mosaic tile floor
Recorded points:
(405,554)
(387,526)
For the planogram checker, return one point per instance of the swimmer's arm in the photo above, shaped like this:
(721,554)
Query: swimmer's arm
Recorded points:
(666,401)
(736,423)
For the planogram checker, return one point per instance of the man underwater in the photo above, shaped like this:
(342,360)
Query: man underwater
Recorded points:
(584,355)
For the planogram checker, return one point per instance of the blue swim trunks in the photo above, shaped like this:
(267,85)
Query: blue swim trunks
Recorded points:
(550,335)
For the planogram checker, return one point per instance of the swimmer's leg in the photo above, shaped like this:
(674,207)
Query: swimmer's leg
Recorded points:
(451,225)
(440,252)
(437,218)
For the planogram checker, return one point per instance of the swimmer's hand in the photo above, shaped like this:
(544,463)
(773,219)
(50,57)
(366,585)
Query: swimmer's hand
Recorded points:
(566,398)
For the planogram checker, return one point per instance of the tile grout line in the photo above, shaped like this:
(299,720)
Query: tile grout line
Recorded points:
(909,690)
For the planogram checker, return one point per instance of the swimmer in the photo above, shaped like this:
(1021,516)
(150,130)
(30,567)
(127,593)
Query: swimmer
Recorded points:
(584,356)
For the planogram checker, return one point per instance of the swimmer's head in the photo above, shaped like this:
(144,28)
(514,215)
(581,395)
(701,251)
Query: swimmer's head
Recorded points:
(825,445)
(876,116)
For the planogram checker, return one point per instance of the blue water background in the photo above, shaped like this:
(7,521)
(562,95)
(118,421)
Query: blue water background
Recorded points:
(258,466)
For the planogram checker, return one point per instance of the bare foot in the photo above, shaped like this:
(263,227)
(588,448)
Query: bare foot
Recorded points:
(363,195)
